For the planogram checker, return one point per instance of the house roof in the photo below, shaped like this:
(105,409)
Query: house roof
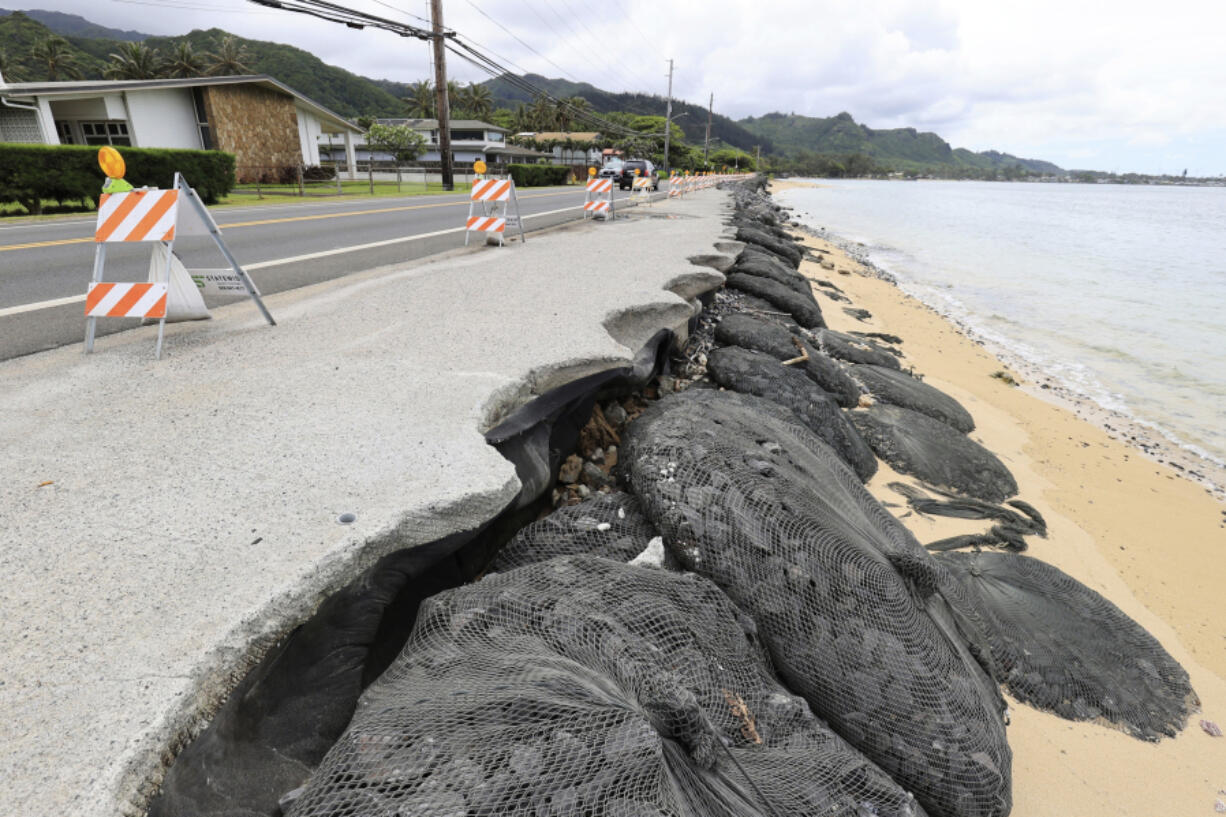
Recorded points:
(456,124)
(100,86)
(562,136)
(512,150)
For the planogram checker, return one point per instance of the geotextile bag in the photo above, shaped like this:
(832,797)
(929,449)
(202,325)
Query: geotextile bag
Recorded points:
(843,596)
(580,686)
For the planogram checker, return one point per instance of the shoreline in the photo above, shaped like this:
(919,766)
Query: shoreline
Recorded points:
(1157,444)
(1126,527)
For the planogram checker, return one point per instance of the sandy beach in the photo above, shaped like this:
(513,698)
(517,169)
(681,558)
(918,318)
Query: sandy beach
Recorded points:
(1132,529)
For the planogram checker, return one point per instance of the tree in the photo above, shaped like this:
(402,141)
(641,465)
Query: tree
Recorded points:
(521,120)
(474,100)
(134,61)
(54,54)
(579,106)
(10,69)
(541,114)
(229,59)
(184,62)
(404,143)
(420,101)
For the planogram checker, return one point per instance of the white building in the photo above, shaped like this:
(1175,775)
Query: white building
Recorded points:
(471,139)
(264,123)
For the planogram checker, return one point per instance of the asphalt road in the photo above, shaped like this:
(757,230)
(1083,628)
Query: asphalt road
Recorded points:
(45,266)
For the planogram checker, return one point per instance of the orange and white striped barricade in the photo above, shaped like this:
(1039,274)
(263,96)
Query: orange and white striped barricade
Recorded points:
(598,201)
(674,186)
(143,216)
(641,189)
(489,209)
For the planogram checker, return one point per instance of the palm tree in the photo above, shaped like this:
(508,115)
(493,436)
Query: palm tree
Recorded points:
(521,120)
(9,68)
(579,106)
(184,62)
(420,101)
(55,55)
(134,61)
(478,101)
(561,115)
(453,93)
(229,59)
(541,114)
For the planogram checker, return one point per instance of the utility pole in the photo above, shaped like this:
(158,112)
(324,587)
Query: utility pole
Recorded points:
(757,164)
(440,94)
(706,143)
(668,116)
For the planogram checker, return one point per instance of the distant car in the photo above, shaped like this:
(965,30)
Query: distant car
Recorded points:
(645,167)
(612,170)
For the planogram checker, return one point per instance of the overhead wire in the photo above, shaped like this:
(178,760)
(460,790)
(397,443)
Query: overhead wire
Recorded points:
(521,42)
(333,12)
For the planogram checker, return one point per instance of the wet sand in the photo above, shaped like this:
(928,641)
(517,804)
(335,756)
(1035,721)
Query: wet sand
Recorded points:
(1132,529)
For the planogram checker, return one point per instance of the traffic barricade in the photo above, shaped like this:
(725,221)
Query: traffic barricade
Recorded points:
(489,209)
(150,215)
(598,200)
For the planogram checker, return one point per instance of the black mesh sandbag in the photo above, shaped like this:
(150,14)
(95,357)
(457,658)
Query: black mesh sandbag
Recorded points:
(804,310)
(901,389)
(580,686)
(753,261)
(1062,647)
(855,349)
(762,335)
(607,525)
(915,444)
(757,373)
(842,594)
(779,246)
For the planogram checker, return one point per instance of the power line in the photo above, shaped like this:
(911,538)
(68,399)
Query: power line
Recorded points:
(352,18)
(521,42)
(334,12)
(189,6)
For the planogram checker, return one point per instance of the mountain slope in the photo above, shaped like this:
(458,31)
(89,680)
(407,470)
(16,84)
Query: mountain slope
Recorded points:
(690,118)
(18,35)
(900,148)
(73,25)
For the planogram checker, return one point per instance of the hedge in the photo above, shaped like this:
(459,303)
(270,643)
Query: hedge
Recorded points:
(31,173)
(538,175)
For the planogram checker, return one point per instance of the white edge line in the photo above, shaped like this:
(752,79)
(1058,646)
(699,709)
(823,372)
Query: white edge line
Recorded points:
(72,299)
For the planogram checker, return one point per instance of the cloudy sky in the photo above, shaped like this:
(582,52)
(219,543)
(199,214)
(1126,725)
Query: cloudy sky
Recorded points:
(1114,85)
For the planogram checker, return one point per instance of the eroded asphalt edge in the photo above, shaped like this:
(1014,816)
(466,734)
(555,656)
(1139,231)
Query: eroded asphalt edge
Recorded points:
(139,592)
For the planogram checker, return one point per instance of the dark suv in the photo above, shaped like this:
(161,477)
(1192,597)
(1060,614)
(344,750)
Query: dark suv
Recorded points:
(647,169)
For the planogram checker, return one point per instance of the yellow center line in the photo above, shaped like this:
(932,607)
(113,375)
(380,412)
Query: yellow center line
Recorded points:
(60,242)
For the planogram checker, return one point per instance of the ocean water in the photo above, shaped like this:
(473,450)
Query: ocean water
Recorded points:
(1116,292)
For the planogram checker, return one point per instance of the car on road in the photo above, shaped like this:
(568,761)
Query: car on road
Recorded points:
(612,170)
(645,167)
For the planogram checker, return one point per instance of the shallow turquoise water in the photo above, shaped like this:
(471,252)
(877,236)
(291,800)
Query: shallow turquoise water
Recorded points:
(1119,292)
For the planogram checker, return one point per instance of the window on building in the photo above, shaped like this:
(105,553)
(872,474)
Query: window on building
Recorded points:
(493,136)
(64,131)
(470,135)
(202,119)
(106,133)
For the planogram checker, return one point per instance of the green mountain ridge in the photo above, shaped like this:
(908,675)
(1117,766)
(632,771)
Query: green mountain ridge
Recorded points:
(899,148)
(74,25)
(794,139)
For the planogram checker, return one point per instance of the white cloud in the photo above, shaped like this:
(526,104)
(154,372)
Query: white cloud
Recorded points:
(1076,81)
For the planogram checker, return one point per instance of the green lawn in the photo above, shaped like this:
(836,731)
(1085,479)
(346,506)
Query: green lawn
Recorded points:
(247,194)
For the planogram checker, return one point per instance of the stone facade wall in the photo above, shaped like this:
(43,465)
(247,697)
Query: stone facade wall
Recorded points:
(257,125)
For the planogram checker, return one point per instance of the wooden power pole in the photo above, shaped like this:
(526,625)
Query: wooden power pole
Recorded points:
(440,95)
(706,143)
(668,116)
